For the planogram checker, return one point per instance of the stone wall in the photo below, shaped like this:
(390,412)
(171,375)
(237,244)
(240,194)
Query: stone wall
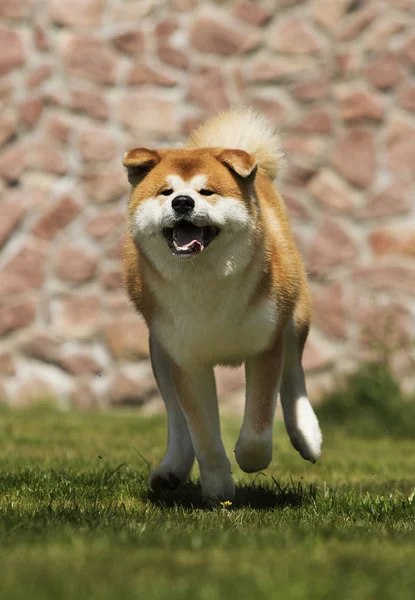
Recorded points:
(82,81)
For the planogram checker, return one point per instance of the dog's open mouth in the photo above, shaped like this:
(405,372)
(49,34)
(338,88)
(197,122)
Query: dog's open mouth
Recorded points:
(186,239)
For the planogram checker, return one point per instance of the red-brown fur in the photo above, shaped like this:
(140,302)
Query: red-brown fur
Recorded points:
(284,277)
(250,284)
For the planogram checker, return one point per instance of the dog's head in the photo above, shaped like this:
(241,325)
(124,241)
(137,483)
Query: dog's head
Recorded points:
(191,203)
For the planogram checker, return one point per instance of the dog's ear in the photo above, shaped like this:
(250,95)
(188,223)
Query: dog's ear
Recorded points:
(139,162)
(243,163)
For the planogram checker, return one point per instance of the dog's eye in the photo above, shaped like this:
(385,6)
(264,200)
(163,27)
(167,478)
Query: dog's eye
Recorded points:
(206,192)
(166,192)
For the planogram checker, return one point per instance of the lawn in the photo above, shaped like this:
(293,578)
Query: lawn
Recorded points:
(77,519)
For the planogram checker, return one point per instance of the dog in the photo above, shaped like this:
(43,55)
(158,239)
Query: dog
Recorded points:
(211,264)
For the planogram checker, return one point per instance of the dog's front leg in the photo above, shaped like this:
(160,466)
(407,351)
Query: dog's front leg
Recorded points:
(253,449)
(178,460)
(196,390)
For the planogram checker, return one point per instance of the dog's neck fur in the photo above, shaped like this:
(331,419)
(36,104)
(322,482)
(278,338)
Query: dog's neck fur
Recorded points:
(211,315)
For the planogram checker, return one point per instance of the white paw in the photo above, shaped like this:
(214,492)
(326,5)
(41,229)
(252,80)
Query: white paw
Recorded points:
(217,484)
(169,475)
(161,479)
(304,431)
(254,452)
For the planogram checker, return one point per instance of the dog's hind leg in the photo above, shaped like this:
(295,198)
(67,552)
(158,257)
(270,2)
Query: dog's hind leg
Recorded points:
(178,460)
(253,449)
(299,417)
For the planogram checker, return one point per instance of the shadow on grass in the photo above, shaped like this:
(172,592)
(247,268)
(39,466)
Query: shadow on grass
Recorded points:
(260,496)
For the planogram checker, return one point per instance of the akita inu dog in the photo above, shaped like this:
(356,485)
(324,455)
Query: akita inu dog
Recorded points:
(211,264)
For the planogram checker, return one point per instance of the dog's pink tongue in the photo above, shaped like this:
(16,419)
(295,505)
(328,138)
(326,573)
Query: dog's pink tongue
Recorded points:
(189,236)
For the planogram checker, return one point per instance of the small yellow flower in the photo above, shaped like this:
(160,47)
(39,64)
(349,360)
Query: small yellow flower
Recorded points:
(226,503)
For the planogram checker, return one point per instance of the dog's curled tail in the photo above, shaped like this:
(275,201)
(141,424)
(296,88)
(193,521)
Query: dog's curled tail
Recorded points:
(242,129)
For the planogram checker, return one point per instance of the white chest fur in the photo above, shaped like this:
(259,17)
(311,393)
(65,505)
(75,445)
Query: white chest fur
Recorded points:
(204,320)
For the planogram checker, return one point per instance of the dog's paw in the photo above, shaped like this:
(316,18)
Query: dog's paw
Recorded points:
(253,453)
(168,476)
(217,485)
(163,480)
(304,432)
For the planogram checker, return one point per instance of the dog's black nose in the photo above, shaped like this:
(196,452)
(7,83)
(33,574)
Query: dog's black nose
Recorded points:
(183,204)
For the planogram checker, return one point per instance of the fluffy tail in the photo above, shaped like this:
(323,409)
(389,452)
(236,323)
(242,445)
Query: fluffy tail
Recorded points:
(242,129)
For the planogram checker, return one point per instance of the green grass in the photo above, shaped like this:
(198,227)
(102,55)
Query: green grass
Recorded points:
(370,403)
(77,519)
